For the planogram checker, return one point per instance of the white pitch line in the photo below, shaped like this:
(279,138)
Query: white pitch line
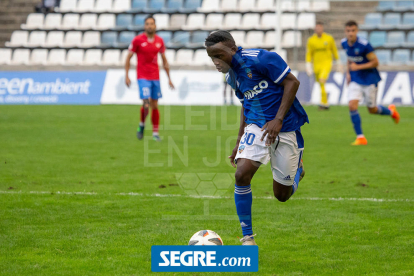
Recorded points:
(211,197)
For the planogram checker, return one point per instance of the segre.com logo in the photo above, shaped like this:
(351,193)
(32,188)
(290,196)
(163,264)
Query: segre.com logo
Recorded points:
(225,258)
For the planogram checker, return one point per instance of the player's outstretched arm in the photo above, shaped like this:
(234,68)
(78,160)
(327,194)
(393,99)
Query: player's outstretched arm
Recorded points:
(167,69)
(239,136)
(272,128)
(127,66)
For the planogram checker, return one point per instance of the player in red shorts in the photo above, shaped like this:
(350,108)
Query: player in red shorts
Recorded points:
(147,46)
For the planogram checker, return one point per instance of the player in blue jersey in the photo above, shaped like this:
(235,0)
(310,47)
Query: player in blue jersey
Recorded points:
(362,77)
(270,121)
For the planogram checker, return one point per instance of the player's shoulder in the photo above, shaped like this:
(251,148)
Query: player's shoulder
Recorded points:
(328,35)
(250,53)
(344,41)
(158,38)
(363,41)
(139,37)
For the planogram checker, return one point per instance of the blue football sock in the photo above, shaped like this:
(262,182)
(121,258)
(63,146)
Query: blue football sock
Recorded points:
(243,198)
(356,121)
(296,181)
(382,110)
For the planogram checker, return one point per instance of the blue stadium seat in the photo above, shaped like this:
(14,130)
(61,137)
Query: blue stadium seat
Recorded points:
(109,38)
(165,35)
(395,39)
(408,21)
(363,34)
(155,6)
(179,39)
(384,56)
(342,56)
(125,38)
(197,39)
(173,6)
(385,5)
(401,56)
(377,38)
(138,5)
(372,21)
(410,40)
(191,6)
(139,21)
(404,6)
(412,58)
(391,21)
(124,20)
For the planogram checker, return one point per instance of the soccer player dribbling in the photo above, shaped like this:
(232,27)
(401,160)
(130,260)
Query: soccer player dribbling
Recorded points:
(147,46)
(363,77)
(270,121)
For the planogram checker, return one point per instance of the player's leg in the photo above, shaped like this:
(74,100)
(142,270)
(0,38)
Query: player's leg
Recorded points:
(144,93)
(324,96)
(155,113)
(371,99)
(354,96)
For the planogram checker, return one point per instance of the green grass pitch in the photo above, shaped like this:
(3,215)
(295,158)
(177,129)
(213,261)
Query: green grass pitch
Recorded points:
(130,194)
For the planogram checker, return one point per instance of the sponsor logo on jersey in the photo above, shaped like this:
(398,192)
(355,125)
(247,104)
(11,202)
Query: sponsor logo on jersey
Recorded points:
(144,44)
(356,59)
(249,73)
(356,51)
(256,89)
(158,45)
(241,148)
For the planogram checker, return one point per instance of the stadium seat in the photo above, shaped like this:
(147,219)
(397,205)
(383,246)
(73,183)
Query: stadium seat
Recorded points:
(53,21)
(288,5)
(18,38)
(85,5)
(177,20)
(342,56)
(232,21)
(179,39)
(250,21)
(372,21)
(201,58)
(91,39)
(306,21)
(165,35)
(20,56)
(391,21)
(5,56)
(303,5)
(138,5)
(289,40)
(173,6)
(209,6)
(106,21)
(395,39)
(155,6)
(197,39)
(363,34)
(194,21)
(125,38)
(320,5)
(404,6)
(407,21)
(191,6)
(70,21)
(73,39)
(254,39)
(92,57)
(54,39)
(162,21)
(67,6)
(238,37)
(103,5)
(247,5)
(38,57)
(36,39)
(184,57)
(269,40)
(124,21)
(412,58)
(288,21)
(56,57)
(213,21)
(111,57)
(121,5)
(401,57)
(139,21)
(377,38)
(265,5)
(385,5)
(410,40)
(74,57)
(282,54)
(123,58)
(34,21)
(109,39)
(384,56)
(88,21)
(268,21)
(228,5)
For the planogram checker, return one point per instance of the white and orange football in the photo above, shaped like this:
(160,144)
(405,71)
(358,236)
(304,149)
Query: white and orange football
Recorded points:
(205,237)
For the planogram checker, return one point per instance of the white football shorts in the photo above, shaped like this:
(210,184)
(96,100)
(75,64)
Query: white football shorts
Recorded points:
(284,154)
(367,92)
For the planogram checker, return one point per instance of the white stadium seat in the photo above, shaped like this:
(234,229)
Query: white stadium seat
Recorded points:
(268,21)
(123,58)
(36,39)
(306,21)
(288,39)
(209,6)
(88,21)
(106,21)
(70,21)
(177,21)
(74,57)
(67,5)
(201,58)
(20,56)
(270,39)
(254,39)
(5,56)
(56,57)
(265,5)
(287,5)
(91,39)
(247,5)
(320,5)
(250,21)
(103,5)
(303,5)
(55,39)
(73,39)
(238,37)
(184,57)
(53,21)
(170,56)
(195,21)
(228,5)
(288,21)
(111,57)
(162,21)
(34,21)
(85,5)
(18,38)
(93,57)
(214,21)
(232,21)
(121,6)
(39,57)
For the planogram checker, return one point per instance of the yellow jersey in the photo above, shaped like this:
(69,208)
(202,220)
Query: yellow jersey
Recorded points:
(320,50)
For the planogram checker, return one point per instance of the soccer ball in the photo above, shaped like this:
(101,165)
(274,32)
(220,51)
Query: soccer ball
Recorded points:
(205,237)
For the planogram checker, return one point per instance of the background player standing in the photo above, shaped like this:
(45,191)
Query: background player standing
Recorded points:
(147,46)
(319,51)
(362,77)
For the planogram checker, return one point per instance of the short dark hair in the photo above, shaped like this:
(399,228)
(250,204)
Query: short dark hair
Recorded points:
(149,17)
(351,23)
(220,36)
(319,23)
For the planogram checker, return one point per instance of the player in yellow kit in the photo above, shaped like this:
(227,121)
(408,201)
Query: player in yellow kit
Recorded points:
(319,51)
